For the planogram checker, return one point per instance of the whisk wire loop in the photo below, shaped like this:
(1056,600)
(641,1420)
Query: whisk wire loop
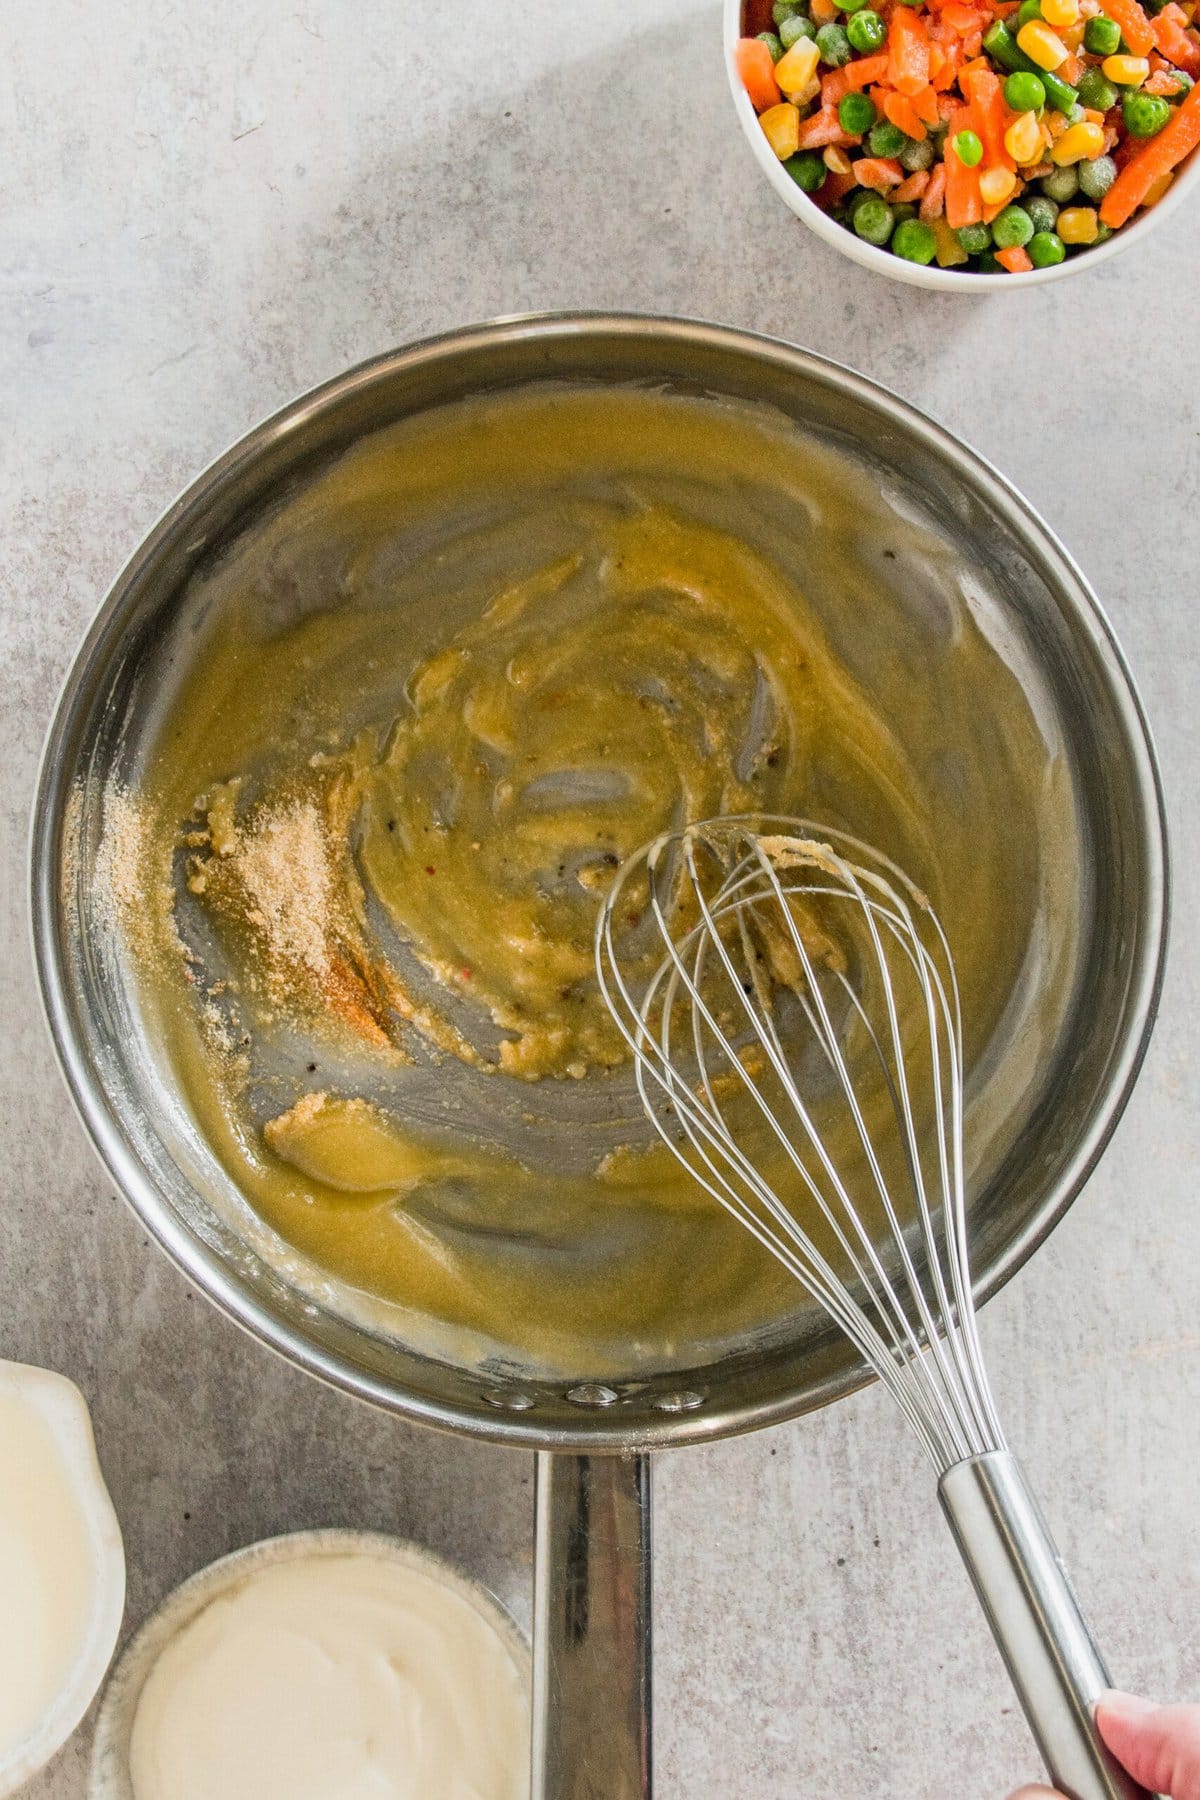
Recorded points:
(722,1013)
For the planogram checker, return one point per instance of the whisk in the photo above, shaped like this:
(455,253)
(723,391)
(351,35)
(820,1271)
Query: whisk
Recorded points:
(791,1002)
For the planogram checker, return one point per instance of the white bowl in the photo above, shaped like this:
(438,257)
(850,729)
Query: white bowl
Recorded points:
(945,281)
(109,1777)
(63,1410)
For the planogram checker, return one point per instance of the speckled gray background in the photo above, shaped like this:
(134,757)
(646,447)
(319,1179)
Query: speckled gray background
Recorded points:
(204,209)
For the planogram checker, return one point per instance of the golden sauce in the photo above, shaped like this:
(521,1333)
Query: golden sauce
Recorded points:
(442,693)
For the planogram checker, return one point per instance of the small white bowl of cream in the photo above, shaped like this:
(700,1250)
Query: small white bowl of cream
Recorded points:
(62,1569)
(325,1662)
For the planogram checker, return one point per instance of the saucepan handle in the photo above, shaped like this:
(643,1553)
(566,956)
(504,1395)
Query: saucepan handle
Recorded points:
(1051,1656)
(591,1629)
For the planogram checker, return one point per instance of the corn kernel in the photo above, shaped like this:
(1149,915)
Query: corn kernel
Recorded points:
(836,160)
(1126,71)
(1060,12)
(781,128)
(1023,139)
(1078,225)
(995,186)
(1157,189)
(807,93)
(797,66)
(1041,45)
(949,251)
(1078,143)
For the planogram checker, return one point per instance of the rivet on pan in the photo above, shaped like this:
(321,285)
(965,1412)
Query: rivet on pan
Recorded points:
(509,1399)
(684,1401)
(592,1393)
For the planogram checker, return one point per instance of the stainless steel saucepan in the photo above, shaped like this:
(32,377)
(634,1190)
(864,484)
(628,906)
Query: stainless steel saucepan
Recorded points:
(592,1590)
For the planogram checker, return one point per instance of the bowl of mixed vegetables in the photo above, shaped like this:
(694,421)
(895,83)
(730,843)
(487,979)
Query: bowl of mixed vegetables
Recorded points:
(971,143)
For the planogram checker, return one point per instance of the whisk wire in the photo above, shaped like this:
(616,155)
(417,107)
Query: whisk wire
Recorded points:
(916,1331)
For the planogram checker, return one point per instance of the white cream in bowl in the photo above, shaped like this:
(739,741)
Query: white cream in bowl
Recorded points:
(330,1663)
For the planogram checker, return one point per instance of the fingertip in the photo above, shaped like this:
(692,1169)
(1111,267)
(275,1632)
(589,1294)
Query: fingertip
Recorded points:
(1117,1704)
(1036,1793)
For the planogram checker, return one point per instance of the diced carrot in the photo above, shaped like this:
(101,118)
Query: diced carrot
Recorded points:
(1004,9)
(1161,82)
(858,74)
(1070,69)
(1014,259)
(879,172)
(756,72)
(1174,41)
(944,78)
(914,187)
(908,51)
(903,114)
(926,108)
(989,114)
(962,18)
(1135,26)
(823,11)
(1154,157)
(835,187)
(933,200)
(821,128)
(964,203)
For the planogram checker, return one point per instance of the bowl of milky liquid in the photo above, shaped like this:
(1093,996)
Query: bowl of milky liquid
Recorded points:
(62,1569)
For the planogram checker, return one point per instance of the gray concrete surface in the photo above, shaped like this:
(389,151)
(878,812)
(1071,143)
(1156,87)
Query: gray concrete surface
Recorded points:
(206,208)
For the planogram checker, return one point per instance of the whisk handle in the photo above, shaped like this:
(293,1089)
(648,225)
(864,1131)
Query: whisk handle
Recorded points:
(1050,1653)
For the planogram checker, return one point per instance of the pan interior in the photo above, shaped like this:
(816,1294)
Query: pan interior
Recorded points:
(922,720)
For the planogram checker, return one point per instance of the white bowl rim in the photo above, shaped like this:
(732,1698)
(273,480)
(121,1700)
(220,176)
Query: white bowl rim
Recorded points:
(918,274)
(108,1775)
(65,1411)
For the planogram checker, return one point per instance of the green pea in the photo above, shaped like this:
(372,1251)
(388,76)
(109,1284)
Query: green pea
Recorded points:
(886,139)
(873,220)
(851,6)
(866,31)
(1097,176)
(1042,211)
(903,209)
(1028,9)
(807,170)
(1046,248)
(916,153)
(856,113)
(968,148)
(786,9)
(1103,232)
(1061,184)
(1024,92)
(1183,83)
(914,241)
(773,44)
(1145,114)
(1102,35)
(988,265)
(834,45)
(974,239)
(1012,228)
(792,30)
(1096,90)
